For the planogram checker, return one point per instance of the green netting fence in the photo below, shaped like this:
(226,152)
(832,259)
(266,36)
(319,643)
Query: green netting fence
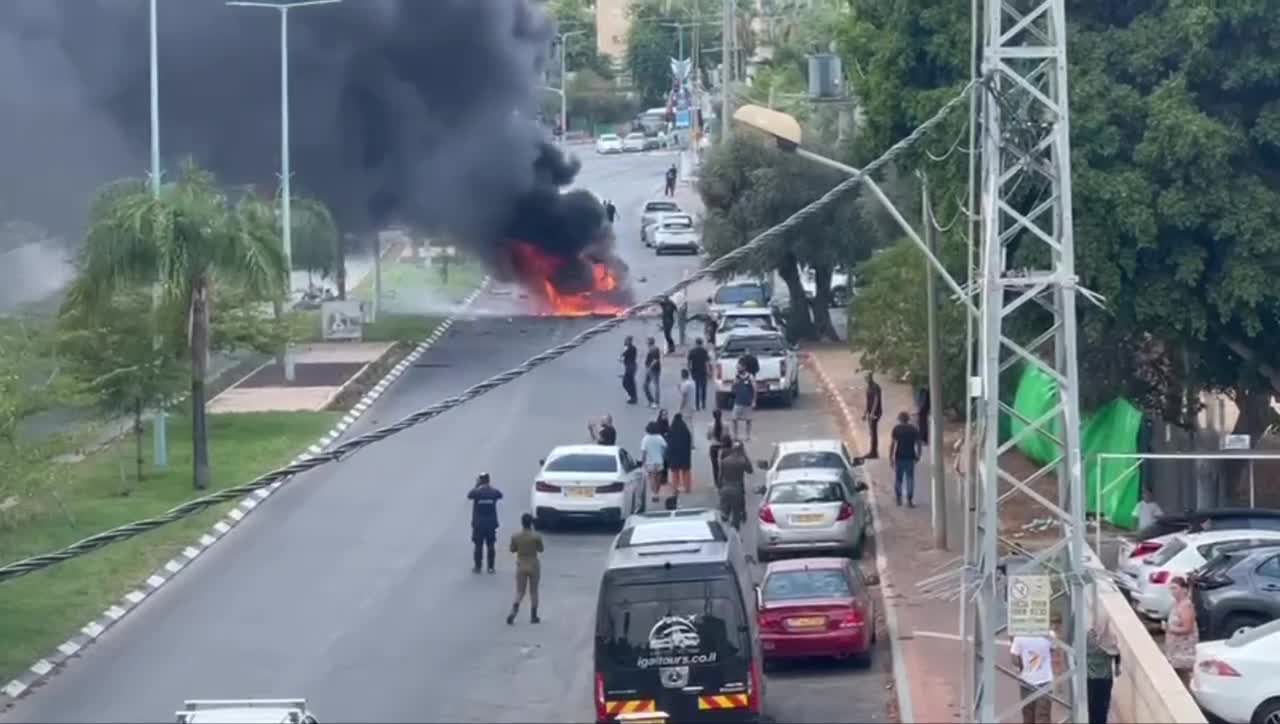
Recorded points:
(1111,429)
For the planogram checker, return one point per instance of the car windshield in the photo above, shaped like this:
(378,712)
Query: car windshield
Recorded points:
(811,459)
(608,137)
(793,585)
(659,207)
(677,623)
(583,463)
(764,347)
(809,491)
(740,294)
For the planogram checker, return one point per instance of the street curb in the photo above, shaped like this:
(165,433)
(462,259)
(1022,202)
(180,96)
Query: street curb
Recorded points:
(44,668)
(906,713)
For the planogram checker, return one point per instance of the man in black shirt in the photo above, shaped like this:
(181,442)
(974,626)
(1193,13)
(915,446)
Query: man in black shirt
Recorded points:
(904,451)
(749,363)
(668,322)
(922,414)
(629,369)
(484,520)
(653,373)
(605,434)
(610,211)
(699,365)
(872,413)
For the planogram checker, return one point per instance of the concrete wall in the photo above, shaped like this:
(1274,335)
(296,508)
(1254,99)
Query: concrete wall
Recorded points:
(1147,689)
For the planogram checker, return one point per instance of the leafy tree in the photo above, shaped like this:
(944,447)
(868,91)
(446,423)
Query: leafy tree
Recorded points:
(111,353)
(30,379)
(653,40)
(596,98)
(582,53)
(191,239)
(316,244)
(748,186)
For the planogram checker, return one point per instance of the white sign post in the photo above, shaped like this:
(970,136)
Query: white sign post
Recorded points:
(1029,600)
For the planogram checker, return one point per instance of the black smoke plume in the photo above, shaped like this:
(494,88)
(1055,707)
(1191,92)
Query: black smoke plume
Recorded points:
(403,111)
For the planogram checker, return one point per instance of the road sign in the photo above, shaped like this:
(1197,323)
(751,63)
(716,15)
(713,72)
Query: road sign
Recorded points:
(1029,599)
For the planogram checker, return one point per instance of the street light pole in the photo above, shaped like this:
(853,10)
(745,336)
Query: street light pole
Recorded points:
(564,82)
(160,451)
(937,467)
(726,60)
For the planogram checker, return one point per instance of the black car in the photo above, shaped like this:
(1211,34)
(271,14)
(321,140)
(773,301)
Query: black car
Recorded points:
(1217,518)
(1238,588)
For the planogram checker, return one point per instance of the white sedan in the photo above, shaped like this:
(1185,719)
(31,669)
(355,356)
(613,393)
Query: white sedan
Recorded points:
(1238,680)
(805,454)
(675,232)
(1181,554)
(609,143)
(587,481)
(634,142)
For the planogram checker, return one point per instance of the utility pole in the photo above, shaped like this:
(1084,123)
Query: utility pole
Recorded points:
(937,466)
(160,452)
(1026,139)
(726,70)
(564,82)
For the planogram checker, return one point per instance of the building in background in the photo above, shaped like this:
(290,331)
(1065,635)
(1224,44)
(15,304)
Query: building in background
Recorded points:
(613,19)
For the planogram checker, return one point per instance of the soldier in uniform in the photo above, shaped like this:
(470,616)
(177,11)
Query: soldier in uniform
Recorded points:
(527,545)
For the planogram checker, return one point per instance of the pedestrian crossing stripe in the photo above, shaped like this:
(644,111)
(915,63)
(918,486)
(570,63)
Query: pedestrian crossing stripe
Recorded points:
(631,706)
(723,701)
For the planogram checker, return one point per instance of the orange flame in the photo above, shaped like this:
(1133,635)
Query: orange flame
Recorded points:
(536,270)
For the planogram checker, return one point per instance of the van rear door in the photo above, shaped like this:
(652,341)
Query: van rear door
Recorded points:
(676,646)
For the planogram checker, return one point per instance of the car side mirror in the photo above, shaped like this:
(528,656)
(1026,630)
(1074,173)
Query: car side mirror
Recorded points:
(860,486)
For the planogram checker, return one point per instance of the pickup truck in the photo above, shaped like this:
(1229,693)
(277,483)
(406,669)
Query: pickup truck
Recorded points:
(245,711)
(779,376)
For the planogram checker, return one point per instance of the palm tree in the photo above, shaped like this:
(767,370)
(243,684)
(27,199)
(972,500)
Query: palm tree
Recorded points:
(189,238)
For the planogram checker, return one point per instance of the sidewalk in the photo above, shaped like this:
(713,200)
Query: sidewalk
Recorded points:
(927,651)
(321,372)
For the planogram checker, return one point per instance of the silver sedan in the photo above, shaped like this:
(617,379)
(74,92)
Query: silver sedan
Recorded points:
(810,510)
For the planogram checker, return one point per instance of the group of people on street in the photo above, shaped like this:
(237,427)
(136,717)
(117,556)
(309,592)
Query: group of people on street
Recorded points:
(526,544)
(905,442)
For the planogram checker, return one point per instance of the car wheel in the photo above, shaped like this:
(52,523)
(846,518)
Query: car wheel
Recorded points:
(856,551)
(1268,712)
(763,556)
(1239,622)
(542,522)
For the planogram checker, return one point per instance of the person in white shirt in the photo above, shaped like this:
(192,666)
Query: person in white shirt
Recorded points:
(653,454)
(1147,510)
(1033,658)
(686,395)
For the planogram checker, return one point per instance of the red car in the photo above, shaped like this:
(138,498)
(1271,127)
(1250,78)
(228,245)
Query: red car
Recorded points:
(810,607)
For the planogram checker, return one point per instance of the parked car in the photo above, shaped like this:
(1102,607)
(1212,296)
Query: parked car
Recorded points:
(609,143)
(749,315)
(675,232)
(806,454)
(812,509)
(587,481)
(816,607)
(1179,556)
(652,211)
(779,376)
(201,711)
(1149,540)
(1237,590)
(634,142)
(653,143)
(1238,680)
(737,293)
(657,516)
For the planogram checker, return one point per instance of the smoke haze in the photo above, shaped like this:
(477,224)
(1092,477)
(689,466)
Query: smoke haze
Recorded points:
(409,111)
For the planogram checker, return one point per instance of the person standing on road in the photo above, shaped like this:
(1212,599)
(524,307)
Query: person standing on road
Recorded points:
(484,521)
(672,173)
(744,402)
(1101,657)
(680,455)
(1181,632)
(750,363)
(610,211)
(682,313)
(653,374)
(605,434)
(668,322)
(699,361)
(709,324)
(653,456)
(872,413)
(1033,659)
(735,466)
(904,451)
(922,414)
(629,369)
(686,395)
(1147,510)
(716,434)
(527,545)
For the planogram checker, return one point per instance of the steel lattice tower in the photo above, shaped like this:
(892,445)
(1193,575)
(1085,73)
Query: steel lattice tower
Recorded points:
(1028,316)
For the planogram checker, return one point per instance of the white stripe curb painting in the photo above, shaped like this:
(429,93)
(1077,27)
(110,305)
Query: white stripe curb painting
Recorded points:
(39,671)
(906,714)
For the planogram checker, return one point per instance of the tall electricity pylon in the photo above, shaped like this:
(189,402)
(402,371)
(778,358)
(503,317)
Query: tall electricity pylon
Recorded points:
(1028,316)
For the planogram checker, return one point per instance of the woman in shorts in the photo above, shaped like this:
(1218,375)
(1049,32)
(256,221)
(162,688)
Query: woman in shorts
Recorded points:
(653,455)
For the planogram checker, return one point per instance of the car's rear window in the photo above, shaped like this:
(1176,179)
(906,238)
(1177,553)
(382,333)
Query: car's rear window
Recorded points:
(760,347)
(740,294)
(583,463)
(817,491)
(793,585)
(1170,549)
(608,137)
(1255,633)
(678,623)
(811,459)
(660,206)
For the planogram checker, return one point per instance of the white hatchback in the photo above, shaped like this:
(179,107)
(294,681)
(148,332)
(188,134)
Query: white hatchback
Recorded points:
(1180,555)
(587,481)
(634,142)
(609,143)
(1238,680)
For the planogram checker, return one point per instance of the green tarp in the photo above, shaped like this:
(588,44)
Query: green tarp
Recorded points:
(1111,429)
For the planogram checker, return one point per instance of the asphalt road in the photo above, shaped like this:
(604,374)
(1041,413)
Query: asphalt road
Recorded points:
(352,585)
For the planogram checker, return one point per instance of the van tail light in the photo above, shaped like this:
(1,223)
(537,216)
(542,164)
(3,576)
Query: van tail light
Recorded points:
(602,711)
(544,487)
(850,619)
(846,512)
(766,514)
(1145,548)
(1217,667)
(754,689)
(1159,577)
(610,488)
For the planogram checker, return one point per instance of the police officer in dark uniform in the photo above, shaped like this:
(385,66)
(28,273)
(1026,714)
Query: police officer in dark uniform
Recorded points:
(484,520)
